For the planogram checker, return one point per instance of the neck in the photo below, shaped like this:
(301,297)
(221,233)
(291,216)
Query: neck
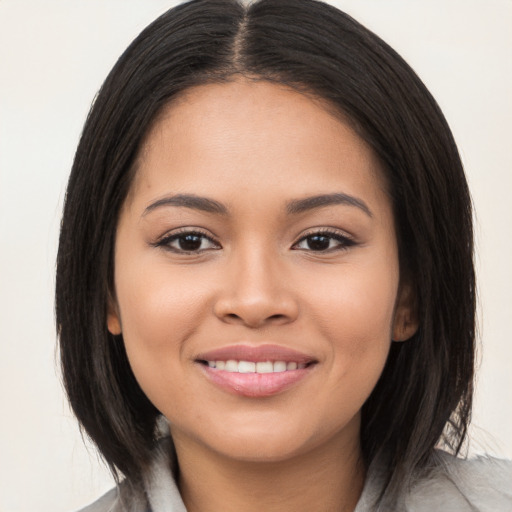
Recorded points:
(329,478)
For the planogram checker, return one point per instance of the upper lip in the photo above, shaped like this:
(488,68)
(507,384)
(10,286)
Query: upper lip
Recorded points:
(258,353)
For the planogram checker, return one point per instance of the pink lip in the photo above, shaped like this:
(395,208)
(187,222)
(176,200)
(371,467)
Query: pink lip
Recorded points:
(255,385)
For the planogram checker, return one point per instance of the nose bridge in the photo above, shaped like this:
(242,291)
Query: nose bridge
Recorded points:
(254,266)
(256,290)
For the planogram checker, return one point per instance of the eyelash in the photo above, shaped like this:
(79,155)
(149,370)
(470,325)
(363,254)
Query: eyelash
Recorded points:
(165,242)
(344,241)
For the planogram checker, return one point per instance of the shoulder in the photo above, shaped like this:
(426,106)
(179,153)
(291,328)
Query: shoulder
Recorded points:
(105,504)
(157,489)
(119,499)
(482,483)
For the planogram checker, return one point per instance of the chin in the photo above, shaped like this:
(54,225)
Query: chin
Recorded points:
(278,442)
(264,450)
(246,443)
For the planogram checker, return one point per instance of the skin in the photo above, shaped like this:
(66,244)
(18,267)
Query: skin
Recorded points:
(255,146)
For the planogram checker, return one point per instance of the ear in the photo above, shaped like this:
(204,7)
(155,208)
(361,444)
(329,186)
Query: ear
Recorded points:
(405,321)
(113,319)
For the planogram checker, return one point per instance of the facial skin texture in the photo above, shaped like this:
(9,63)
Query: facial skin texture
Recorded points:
(255,146)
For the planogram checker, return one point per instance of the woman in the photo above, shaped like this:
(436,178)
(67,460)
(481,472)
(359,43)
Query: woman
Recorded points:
(266,249)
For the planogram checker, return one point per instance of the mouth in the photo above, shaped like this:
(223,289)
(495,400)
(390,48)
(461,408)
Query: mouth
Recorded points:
(233,366)
(260,371)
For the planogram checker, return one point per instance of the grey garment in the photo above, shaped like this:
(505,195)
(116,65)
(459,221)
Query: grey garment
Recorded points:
(483,484)
(160,492)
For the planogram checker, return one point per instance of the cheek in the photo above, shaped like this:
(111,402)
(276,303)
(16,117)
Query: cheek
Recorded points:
(159,310)
(156,299)
(354,311)
(357,324)
(358,300)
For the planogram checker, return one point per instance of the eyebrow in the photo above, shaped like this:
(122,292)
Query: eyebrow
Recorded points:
(309,203)
(294,207)
(189,201)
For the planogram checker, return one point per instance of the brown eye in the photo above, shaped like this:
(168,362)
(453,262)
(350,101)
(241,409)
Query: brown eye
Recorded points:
(318,242)
(190,242)
(324,242)
(187,242)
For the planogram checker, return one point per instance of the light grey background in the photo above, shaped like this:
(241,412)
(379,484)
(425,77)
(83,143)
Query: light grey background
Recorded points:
(54,56)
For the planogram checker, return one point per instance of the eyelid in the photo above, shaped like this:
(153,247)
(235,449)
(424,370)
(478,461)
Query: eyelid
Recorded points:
(164,240)
(344,238)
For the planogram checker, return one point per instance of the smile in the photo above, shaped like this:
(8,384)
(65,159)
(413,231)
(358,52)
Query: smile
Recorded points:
(255,371)
(234,366)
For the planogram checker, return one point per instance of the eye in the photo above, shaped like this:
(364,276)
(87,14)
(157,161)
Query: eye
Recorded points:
(324,241)
(187,242)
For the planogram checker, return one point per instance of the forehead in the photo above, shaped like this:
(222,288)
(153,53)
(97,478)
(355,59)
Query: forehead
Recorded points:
(244,137)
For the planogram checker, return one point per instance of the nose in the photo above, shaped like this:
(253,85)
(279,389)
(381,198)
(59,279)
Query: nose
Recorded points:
(256,291)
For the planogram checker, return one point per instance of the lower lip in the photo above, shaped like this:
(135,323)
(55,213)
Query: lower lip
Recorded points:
(255,385)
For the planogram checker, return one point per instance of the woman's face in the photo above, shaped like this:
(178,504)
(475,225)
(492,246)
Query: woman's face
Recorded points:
(256,272)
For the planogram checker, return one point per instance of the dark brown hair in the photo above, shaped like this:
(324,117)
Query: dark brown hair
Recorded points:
(424,394)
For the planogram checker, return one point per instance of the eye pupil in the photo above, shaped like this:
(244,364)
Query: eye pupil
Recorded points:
(318,242)
(190,242)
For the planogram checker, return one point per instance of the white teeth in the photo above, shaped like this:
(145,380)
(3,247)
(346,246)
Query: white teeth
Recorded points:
(246,367)
(231,366)
(264,367)
(279,366)
(252,367)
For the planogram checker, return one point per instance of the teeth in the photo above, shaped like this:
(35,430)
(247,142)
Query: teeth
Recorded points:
(264,367)
(252,367)
(231,366)
(246,367)
(279,366)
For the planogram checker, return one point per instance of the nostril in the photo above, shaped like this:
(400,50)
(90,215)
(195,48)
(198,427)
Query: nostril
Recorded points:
(255,313)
